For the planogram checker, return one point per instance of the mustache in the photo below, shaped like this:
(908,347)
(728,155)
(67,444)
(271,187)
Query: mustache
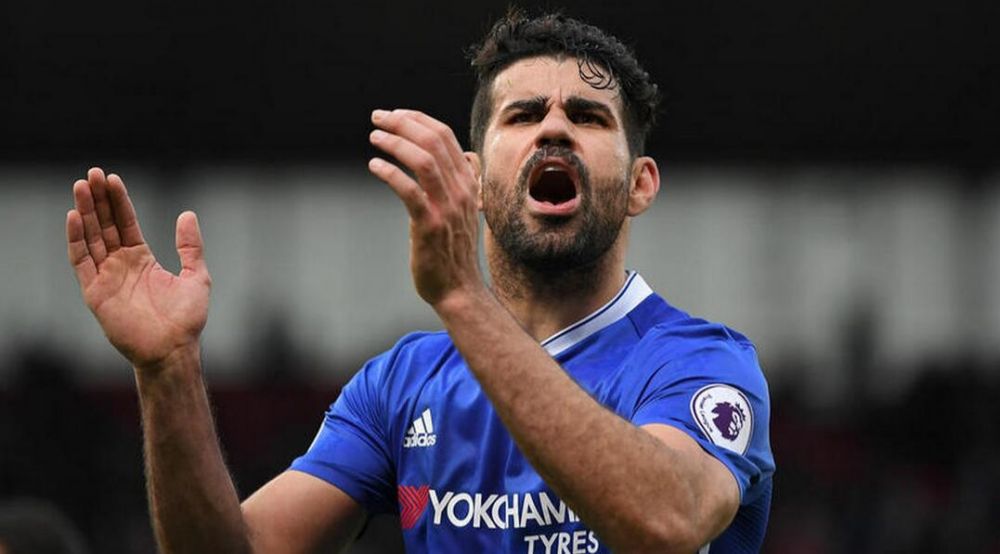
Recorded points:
(555,151)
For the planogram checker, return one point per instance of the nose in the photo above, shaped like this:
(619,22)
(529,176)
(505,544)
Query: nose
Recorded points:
(555,130)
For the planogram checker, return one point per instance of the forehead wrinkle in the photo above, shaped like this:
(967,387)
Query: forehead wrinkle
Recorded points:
(504,84)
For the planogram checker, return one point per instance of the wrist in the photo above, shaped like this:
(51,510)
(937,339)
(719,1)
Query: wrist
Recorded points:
(185,358)
(463,301)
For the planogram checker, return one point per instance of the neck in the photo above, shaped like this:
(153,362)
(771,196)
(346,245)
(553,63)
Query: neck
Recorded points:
(546,302)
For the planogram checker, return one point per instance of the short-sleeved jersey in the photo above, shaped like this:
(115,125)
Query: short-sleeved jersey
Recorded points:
(413,433)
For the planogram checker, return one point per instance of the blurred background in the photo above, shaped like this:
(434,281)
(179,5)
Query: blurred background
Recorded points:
(832,189)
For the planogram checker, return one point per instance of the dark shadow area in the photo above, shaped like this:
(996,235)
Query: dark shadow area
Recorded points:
(183,82)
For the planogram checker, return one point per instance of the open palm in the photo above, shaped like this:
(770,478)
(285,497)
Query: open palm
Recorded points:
(146,312)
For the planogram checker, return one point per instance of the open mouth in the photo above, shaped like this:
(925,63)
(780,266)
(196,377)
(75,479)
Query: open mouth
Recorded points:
(553,183)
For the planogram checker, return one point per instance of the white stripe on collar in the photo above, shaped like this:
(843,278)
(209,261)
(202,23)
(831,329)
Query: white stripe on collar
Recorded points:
(631,295)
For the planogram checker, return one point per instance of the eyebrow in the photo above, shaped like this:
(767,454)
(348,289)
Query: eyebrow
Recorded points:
(580,104)
(577,104)
(535,104)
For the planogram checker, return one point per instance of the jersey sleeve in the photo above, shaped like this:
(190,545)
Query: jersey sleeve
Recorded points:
(351,450)
(716,393)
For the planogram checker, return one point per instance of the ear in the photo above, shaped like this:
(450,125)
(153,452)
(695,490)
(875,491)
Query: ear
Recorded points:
(477,170)
(645,185)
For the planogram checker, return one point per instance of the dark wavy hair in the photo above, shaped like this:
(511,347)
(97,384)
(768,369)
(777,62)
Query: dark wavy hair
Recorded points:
(605,63)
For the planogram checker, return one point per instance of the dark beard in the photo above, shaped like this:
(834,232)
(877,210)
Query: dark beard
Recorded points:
(556,248)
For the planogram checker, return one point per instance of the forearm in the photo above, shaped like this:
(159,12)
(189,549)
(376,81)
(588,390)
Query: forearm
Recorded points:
(193,503)
(632,489)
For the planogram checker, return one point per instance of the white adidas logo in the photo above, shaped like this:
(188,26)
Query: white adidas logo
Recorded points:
(421,431)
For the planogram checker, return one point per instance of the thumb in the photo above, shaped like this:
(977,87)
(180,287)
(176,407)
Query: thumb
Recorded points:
(190,247)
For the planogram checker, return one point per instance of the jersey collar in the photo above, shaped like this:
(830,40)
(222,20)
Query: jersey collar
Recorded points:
(632,293)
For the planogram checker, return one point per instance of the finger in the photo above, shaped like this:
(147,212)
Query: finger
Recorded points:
(190,247)
(76,247)
(406,188)
(125,219)
(443,131)
(91,227)
(421,162)
(102,205)
(405,124)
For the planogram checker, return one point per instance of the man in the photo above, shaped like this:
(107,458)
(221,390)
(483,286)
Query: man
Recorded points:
(566,409)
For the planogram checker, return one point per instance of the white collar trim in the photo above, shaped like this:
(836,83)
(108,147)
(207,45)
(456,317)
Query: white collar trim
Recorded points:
(632,293)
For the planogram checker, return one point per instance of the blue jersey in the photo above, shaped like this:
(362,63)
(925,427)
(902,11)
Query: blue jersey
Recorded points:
(413,433)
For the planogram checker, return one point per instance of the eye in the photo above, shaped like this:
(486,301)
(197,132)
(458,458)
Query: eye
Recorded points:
(522,117)
(588,118)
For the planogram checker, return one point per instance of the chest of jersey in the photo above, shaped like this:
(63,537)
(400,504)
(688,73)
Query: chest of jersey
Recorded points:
(464,485)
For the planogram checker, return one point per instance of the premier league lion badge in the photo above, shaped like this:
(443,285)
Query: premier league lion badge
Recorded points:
(724,414)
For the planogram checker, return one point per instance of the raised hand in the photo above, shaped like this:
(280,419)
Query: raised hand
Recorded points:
(148,313)
(442,201)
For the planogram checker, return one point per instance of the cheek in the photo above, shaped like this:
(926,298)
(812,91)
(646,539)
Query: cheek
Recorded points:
(623,160)
(606,156)
(613,166)
(495,141)
(498,158)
